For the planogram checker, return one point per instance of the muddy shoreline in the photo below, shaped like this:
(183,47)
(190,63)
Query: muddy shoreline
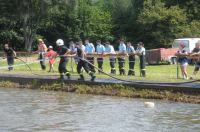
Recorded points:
(108,90)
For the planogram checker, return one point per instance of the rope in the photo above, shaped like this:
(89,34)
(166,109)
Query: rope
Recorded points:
(128,81)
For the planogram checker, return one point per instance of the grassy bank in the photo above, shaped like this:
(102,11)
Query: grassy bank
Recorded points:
(158,73)
(110,90)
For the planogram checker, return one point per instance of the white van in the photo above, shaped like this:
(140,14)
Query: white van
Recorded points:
(189,42)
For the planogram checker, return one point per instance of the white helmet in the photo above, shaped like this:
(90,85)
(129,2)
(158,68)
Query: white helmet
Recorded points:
(60,42)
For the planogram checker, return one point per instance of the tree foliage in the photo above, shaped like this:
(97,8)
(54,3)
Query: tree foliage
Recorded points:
(156,22)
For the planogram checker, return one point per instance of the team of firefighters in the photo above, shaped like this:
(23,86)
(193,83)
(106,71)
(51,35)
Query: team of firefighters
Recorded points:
(84,57)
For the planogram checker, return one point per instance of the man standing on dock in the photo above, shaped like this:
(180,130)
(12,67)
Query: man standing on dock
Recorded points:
(63,51)
(82,62)
(141,53)
(121,58)
(100,51)
(10,55)
(89,49)
(131,59)
(109,49)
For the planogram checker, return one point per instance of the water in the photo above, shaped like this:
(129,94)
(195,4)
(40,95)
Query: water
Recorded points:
(23,110)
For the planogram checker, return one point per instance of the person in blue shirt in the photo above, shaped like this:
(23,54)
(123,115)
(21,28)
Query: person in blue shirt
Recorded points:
(141,53)
(109,49)
(131,52)
(89,49)
(100,49)
(121,59)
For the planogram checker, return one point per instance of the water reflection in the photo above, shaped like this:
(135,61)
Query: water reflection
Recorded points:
(33,110)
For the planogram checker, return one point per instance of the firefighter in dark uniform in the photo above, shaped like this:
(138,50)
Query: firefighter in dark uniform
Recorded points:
(141,53)
(90,49)
(121,59)
(109,49)
(131,58)
(10,55)
(82,63)
(62,52)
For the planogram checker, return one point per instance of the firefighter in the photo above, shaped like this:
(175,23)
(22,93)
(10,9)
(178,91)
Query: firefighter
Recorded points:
(10,55)
(63,51)
(109,49)
(131,58)
(141,53)
(89,49)
(121,59)
(82,63)
(42,49)
(100,49)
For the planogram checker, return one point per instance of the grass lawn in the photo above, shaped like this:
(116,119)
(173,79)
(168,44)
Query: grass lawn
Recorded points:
(157,73)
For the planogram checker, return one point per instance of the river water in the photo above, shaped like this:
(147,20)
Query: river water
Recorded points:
(25,110)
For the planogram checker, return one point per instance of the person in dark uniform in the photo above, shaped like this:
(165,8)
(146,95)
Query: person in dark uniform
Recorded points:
(90,49)
(109,49)
(62,52)
(10,55)
(100,49)
(121,59)
(141,53)
(82,63)
(131,58)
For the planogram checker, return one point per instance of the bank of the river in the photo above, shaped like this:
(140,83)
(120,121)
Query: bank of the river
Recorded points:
(112,89)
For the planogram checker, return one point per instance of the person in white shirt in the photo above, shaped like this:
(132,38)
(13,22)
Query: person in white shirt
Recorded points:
(121,60)
(100,49)
(131,52)
(141,53)
(89,49)
(109,49)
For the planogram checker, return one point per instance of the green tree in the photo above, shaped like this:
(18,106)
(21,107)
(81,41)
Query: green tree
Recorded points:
(159,25)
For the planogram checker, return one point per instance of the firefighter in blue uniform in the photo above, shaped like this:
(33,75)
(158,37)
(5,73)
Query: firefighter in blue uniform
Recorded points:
(109,49)
(131,58)
(121,59)
(62,52)
(82,63)
(89,49)
(100,49)
(141,53)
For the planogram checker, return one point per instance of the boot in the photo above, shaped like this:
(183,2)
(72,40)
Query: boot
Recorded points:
(143,72)
(123,72)
(81,78)
(129,73)
(133,73)
(68,75)
(62,77)
(114,72)
(92,76)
